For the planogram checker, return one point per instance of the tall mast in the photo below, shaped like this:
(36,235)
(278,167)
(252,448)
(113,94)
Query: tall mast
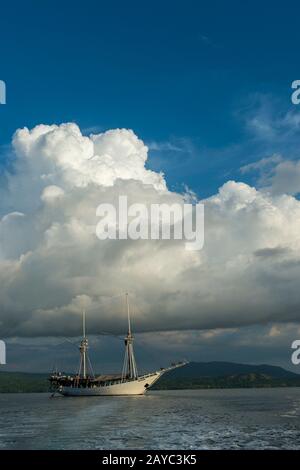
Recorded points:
(83,323)
(83,349)
(129,367)
(84,344)
(128,314)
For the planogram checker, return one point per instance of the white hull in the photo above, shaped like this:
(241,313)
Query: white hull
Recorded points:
(132,387)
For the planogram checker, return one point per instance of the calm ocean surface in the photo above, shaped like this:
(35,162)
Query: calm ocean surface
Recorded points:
(185,419)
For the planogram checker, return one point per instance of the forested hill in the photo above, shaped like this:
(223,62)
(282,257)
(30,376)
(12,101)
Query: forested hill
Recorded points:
(227,375)
(192,376)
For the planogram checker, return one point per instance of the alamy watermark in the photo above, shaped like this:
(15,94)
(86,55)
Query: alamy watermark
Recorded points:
(295,97)
(2,353)
(2,92)
(152,222)
(296,354)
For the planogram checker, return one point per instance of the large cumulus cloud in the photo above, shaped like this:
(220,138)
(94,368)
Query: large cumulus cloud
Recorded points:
(52,265)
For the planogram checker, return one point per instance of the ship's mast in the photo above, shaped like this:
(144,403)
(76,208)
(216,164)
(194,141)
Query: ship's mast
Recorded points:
(129,367)
(83,349)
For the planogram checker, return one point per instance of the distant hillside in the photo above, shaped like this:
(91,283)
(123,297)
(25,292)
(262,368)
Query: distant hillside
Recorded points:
(227,375)
(221,369)
(192,376)
(18,382)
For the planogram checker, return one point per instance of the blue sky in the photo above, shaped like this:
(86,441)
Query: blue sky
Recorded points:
(183,75)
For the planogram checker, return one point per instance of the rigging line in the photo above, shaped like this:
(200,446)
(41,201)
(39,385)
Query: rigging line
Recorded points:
(8,332)
(91,367)
(144,349)
(106,333)
(108,298)
(69,341)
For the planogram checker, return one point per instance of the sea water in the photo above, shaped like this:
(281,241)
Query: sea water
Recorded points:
(183,419)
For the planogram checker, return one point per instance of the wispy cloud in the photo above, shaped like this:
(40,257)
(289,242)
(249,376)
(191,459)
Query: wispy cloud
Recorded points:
(269,120)
(95,129)
(262,164)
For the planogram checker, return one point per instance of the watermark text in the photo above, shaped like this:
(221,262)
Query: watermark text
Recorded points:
(2,92)
(2,353)
(296,354)
(153,222)
(295,97)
